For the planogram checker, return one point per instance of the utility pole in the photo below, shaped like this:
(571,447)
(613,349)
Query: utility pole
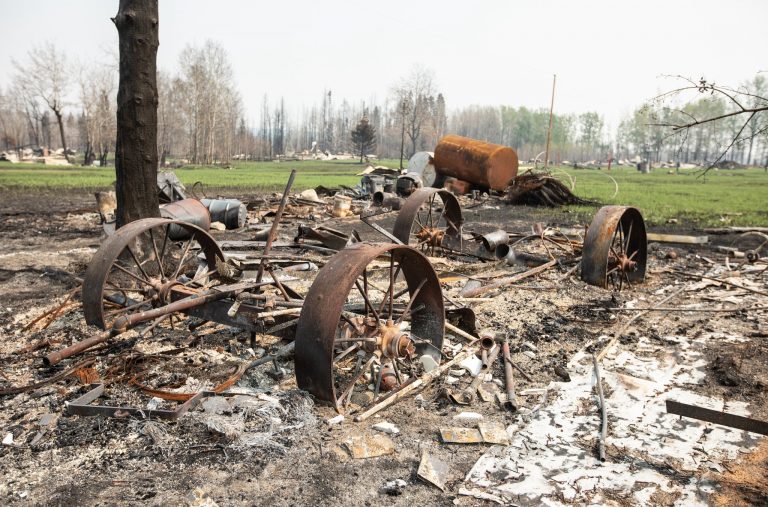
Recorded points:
(549,131)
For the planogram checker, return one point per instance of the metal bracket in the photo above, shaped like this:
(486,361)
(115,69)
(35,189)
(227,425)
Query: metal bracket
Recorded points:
(82,406)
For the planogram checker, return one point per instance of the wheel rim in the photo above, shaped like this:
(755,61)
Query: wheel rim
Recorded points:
(349,323)
(135,268)
(431,221)
(615,248)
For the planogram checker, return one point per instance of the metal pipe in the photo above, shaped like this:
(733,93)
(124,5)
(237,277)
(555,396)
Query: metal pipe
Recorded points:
(388,200)
(493,240)
(511,257)
(275,224)
(603,413)
(511,403)
(468,395)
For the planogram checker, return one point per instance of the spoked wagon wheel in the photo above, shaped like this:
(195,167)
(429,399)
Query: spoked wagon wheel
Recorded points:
(373,309)
(135,268)
(430,220)
(615,248)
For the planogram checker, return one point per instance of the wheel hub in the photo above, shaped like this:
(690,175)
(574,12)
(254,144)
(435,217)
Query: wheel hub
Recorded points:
(431,237)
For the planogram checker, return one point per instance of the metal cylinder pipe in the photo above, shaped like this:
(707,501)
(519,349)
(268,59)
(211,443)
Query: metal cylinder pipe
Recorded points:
(493,239)
(511,257)
(483,164)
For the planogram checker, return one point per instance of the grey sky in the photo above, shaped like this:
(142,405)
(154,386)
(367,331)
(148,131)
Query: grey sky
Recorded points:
(608,55)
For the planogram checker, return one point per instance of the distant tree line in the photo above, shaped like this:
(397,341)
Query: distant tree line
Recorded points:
(53,102)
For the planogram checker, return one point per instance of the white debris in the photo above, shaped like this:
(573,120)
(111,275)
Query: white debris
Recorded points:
(546,462)
(335,420)
(468,417)
(428,362)
(8,440)
(386,427)
(472,364)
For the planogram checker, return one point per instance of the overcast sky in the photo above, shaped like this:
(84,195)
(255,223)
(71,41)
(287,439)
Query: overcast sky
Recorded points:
(609,56)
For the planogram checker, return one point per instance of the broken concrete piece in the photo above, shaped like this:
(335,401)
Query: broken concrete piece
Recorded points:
(428,362)
(369,446)
(493,432)
(461,436)
(468,417)
(386,427)
(8,439)
(433,470)
(218,226)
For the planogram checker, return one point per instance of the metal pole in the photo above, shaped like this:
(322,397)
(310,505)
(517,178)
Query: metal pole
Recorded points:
(275,225)
(549,131)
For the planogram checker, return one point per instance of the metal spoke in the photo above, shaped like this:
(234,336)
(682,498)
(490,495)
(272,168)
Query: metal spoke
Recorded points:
(411,300)
(183,258)
(157,254)
(141,268)
(345,352)
(348,390)
(165,243)
(131,307)
(368,303)
(133,275)
(625,247)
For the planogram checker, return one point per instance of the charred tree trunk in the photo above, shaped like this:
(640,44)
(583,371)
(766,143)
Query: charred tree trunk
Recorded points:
(136,144)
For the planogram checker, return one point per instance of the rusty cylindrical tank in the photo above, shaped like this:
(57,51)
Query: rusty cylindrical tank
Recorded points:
(190,211)
(480,163)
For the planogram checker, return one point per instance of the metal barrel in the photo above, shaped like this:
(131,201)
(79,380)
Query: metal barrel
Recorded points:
(493,239)
(387,200)
(230,212)
(191,211)
(482,164)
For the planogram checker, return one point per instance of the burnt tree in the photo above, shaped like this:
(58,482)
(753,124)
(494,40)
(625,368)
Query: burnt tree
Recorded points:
(364,137)
(136,144)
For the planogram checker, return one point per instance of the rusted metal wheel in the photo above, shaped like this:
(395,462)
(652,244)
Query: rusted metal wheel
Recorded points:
(615,248)
(754,244)
(430,220)
(373,309)
(135,268)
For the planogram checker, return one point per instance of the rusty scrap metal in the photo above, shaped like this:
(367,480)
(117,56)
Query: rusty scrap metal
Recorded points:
(512,257)
(82,406)
(330,238)
(717,417)
(511,401)
(50,380)
(615,248)
(483,164)
(190,211)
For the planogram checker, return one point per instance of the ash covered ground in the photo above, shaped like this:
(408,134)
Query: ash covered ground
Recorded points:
(271,444)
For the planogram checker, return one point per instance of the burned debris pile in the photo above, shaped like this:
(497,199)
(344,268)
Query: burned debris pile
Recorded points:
(333,325)
(534,188)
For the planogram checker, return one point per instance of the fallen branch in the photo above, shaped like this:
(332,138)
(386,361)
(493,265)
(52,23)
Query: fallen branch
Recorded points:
(603,412)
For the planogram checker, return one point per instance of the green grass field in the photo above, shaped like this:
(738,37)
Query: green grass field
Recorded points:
(725,197)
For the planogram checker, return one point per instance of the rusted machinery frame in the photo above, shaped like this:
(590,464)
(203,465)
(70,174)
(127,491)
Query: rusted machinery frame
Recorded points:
(600,236)
(323,306)
(717,417)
